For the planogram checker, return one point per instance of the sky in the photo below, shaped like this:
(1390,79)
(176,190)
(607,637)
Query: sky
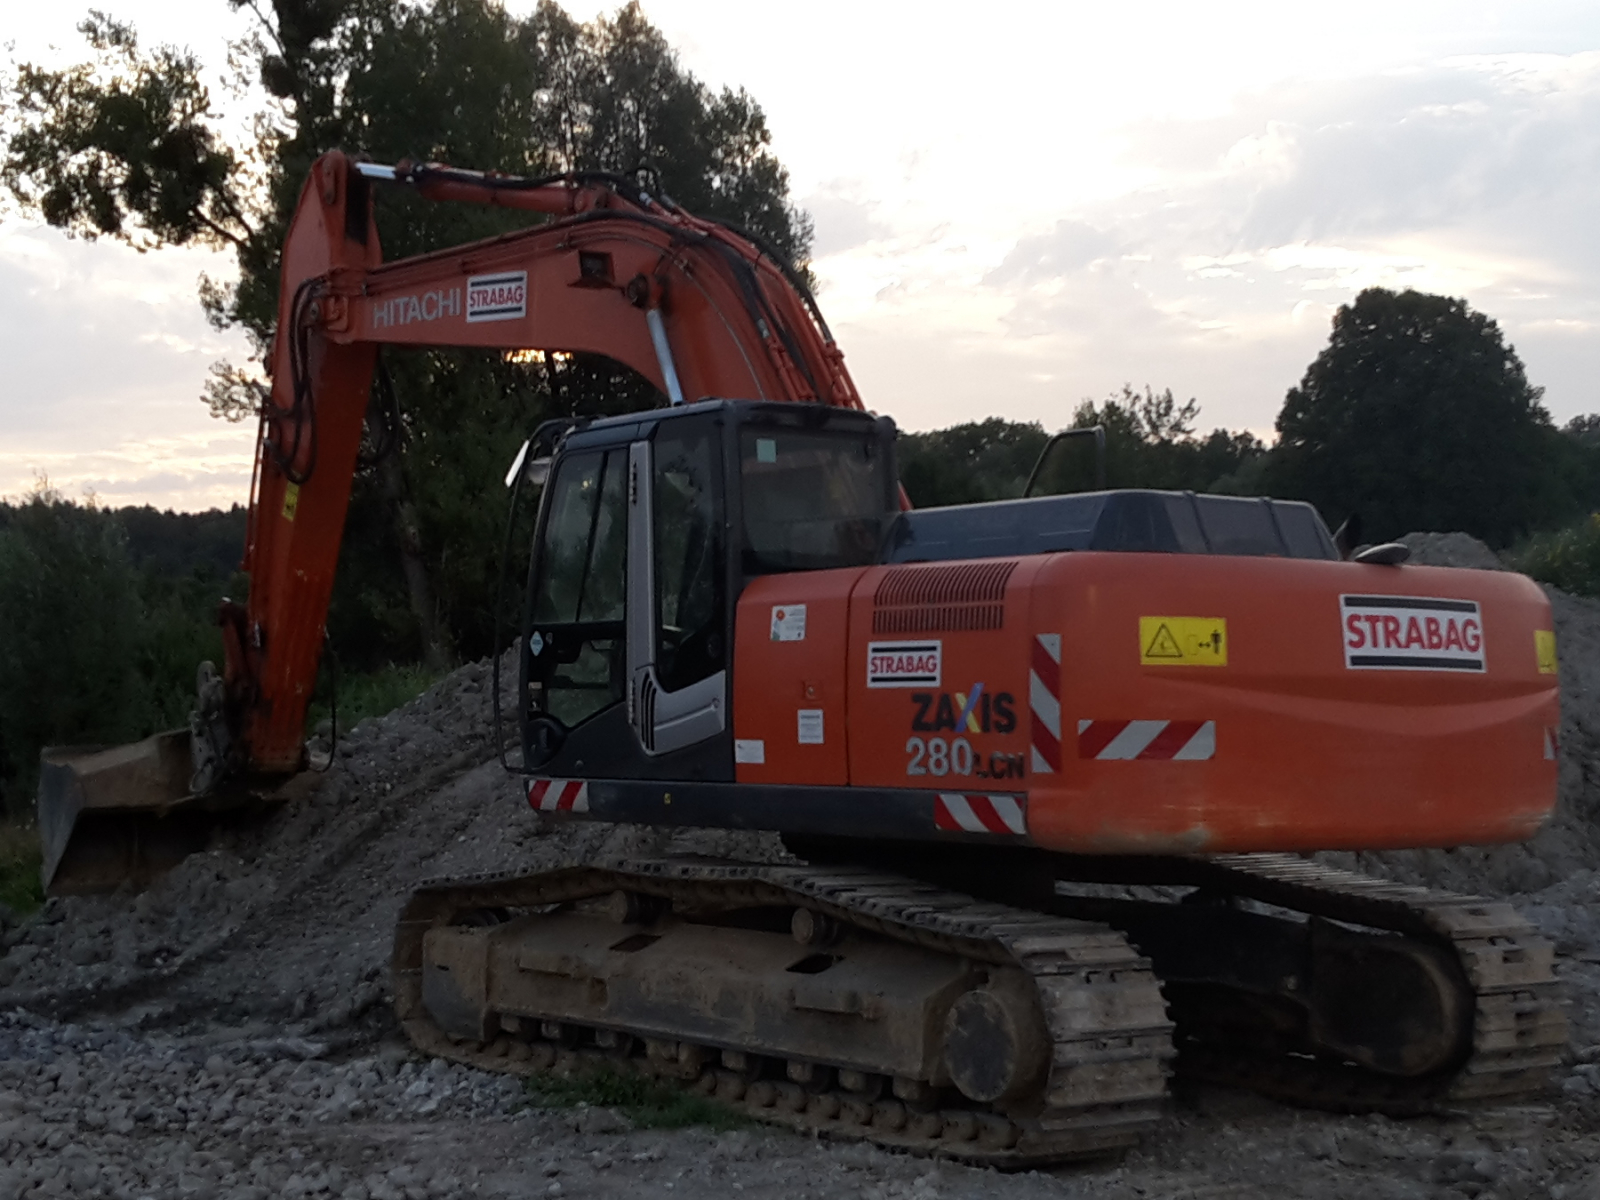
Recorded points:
(1017,207)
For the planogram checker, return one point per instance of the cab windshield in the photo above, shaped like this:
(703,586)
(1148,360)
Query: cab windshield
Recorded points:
(812,499)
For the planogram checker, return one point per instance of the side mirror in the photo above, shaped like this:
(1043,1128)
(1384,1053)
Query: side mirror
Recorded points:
(1097,432)
(1348,536)
(538,470)
(1385,554)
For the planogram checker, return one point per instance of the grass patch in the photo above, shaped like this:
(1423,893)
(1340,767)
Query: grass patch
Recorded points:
(19,866)
(373,693)
(648,1103)
(1567,558)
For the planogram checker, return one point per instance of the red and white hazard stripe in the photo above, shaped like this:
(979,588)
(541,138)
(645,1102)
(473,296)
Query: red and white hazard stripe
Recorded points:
(558,795)
(1178,741)
(962,812)
(1552,744)
(1044,703)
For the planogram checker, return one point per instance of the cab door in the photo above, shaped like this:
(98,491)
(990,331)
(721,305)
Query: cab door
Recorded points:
(677,606)
(577,605)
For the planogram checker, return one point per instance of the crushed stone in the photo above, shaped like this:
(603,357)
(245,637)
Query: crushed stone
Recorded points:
(228,1033)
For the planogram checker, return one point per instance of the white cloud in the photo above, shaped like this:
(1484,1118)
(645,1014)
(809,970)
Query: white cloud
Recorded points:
(107,350)
(1011,213)
(1474,177)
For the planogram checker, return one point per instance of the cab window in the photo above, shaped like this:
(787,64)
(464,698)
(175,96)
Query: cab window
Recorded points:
(812,499)
(580,587)
(689,572)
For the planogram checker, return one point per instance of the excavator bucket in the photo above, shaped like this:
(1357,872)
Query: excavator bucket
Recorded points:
(114,815)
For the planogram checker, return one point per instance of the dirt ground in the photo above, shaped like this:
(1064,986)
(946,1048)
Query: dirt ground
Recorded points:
(227,1032)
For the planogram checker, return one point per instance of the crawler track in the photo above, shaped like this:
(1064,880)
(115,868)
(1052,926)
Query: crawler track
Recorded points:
(1109,1036)
(1518,1028)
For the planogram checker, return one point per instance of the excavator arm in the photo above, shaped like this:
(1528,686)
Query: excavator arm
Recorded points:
(691,305)
(696,307)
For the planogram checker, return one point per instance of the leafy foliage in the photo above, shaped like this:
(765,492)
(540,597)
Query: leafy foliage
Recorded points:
(966,464)
(20,860)
(1150,442)
(648,1103)
(1418,415)
(124,147)
(94,646)
(1568,558)
(372,694)
(461,81)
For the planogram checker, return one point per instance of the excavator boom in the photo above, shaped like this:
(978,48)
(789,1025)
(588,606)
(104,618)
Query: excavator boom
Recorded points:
(693,306)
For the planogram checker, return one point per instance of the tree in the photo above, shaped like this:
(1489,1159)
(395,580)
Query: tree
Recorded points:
(69,631)
(458,81)
(970,463)
(1151,442)
(1418,415)
(103,617)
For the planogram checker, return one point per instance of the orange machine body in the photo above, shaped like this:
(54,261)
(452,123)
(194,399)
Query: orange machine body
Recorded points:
(1063,698)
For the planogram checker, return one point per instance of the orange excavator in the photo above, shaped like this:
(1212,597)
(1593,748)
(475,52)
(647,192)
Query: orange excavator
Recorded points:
(1046,769)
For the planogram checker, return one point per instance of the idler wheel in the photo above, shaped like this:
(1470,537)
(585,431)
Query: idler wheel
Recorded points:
(995,1041)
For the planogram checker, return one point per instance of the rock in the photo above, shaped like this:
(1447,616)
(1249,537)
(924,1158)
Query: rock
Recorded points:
(601,1120)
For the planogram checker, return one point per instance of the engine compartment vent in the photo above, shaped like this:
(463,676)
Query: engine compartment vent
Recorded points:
(933,599)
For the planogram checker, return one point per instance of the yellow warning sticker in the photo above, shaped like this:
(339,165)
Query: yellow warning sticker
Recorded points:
(1544,649)
(291,500)
(1183,641)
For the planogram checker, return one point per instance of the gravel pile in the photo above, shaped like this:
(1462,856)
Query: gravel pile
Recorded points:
(227,1033)
(96,1112)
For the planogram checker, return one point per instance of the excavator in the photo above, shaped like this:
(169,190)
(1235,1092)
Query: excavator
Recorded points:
(1049,772)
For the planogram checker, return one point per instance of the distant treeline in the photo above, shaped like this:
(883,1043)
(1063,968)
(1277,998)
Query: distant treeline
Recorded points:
(104,616)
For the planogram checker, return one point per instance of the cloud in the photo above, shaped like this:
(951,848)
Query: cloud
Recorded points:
(843,217)
(1066,249)
(1474,177)
(106,353)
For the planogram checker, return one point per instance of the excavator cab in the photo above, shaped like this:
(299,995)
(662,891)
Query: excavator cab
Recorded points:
(649,528)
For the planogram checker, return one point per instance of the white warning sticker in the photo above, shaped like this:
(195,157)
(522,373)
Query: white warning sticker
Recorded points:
(904,664)
(788,622)
(810,721)
(1411,633)
(749,750)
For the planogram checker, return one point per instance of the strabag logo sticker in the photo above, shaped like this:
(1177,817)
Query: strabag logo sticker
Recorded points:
(502,297)
(903,664)
(1411,633)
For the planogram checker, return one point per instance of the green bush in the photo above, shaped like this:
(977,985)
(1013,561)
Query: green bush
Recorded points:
(93,647)
(19,867)
(1565,558)
(370,693)
(69,636)
(648,1103)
